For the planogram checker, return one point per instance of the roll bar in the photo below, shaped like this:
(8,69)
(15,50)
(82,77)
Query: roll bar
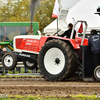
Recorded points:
(72,33)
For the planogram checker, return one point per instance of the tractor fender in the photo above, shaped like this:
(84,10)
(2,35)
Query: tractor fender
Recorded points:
(73,42)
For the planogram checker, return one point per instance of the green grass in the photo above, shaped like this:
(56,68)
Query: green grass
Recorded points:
(38,97)
(85,97)
(16,72)
(20,76)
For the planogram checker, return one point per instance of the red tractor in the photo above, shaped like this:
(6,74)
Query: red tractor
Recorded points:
(56,57)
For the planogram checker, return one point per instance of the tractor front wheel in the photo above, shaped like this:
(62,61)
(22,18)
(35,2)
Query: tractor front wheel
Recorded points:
(9,61)
(30,65)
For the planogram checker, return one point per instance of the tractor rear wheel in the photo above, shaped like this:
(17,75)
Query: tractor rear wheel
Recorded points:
(57,60)
(9,61)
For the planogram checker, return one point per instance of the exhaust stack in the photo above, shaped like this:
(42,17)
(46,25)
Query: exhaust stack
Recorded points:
(33,5)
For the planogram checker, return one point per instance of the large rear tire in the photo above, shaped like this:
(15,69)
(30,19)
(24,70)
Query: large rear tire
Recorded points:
(97,73)
(57,60)
(9,61)
(30,65)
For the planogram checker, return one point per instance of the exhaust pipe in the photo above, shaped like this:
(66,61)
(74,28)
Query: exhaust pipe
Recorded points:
(33,5)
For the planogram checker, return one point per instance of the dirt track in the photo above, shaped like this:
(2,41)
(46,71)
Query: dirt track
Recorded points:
(38,86)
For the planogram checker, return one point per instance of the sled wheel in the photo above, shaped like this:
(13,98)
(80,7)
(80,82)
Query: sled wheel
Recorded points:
(9,61)
(97,73)
(30,65)
(57,60)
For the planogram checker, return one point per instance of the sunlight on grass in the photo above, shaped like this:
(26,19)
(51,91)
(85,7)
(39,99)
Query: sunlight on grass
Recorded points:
(38,97)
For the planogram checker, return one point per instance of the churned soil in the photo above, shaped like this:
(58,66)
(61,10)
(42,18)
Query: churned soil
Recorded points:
(39,86)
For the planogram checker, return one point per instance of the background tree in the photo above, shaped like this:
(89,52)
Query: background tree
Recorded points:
(44,13)
(15,11)
(19,12)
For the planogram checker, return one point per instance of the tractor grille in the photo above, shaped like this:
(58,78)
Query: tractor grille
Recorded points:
(30,48)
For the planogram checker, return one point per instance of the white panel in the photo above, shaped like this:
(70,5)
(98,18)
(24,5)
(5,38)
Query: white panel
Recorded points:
(84,10)
(67,4)
(28,36)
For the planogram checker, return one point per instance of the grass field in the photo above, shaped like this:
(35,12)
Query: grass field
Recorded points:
(78,97)
(16,72)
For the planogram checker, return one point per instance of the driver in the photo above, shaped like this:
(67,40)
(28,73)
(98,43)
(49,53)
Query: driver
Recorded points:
(67,33)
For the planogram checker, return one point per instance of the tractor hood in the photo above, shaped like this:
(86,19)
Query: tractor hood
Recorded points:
(26,43)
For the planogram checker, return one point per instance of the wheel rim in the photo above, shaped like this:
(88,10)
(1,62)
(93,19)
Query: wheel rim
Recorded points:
(29,64)
(98,73)
(54,61)
(8,61)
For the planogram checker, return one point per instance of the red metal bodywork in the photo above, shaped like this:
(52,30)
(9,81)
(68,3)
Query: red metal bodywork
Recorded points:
(27,44)
(75,42)
(34,45)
